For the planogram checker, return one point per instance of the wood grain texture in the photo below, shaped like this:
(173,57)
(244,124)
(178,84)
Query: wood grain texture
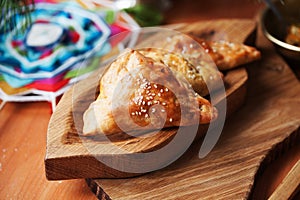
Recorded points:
(252,138)
(289,185)
(266,178)
(67,156)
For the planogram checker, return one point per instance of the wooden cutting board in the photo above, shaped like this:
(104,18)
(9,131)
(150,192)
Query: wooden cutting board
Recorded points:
(67,156)
(267,123)
(259,132)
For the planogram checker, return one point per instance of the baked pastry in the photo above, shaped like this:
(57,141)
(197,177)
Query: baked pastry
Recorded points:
(203,77)
(223,54)
(139,94)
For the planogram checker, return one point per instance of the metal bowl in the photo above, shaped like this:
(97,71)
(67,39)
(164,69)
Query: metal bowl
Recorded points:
(276,30)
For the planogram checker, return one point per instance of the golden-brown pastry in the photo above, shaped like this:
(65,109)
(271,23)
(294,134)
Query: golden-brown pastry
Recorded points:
(225,55)
(232,54)
(201,77)
(140,94)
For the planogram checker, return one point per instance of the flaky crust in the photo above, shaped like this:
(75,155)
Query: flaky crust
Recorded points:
(223,54)
(203,77)
(139,94)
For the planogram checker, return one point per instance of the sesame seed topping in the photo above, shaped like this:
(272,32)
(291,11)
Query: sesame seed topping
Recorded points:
(164,103)
(155,86)
(166,89)
(170,119)
(163,110)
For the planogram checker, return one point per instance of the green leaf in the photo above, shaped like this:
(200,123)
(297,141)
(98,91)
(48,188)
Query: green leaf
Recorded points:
(145,15)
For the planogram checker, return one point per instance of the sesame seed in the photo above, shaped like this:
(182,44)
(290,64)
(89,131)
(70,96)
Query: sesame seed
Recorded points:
(132,113)
(170,119)
(141,76)
(149,103)
(158,94)
(163,110)
(161,90)
(166,89)
(164,103)
(153,110)
(155,86)
(146,115)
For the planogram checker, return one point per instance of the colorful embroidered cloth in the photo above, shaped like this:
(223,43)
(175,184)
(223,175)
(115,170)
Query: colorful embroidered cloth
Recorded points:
(43,62)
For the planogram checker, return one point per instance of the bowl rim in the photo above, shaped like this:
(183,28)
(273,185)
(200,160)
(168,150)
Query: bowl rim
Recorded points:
(274,39)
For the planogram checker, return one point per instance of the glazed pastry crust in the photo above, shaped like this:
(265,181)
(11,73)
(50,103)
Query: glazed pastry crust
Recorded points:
(150,89)
(223,54)
(139,94)
(232,54)
(204,77)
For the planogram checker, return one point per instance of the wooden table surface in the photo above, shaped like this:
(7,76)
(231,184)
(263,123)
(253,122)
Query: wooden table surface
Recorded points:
(23,126)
